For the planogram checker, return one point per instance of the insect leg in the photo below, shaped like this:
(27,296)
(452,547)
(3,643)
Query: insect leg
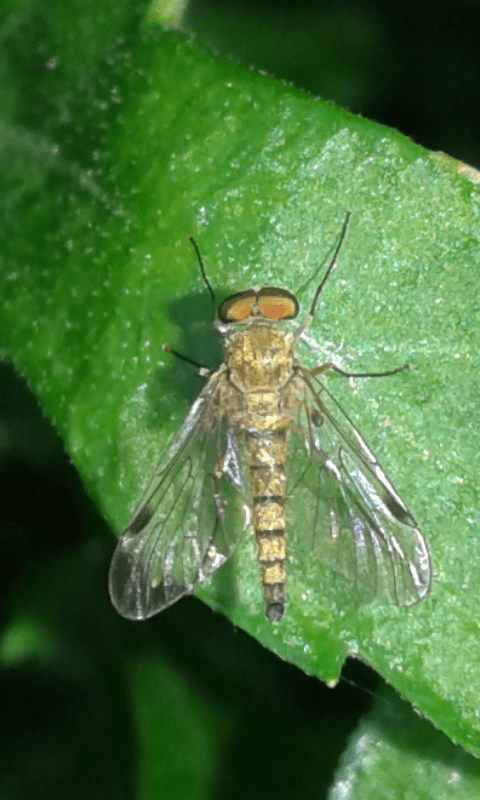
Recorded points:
(203,371)
(323,368)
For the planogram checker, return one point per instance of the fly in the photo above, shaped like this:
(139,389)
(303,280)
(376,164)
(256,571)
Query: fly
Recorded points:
(265,433)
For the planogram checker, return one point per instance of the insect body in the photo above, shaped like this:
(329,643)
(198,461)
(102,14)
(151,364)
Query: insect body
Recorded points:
(262,369)
(265,432)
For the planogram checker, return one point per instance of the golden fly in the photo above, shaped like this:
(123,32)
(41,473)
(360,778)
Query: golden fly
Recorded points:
(265,433)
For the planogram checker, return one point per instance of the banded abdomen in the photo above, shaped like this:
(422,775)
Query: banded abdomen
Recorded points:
(266,454)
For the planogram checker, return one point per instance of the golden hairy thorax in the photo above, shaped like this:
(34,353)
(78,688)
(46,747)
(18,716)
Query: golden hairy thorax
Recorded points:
(259,358)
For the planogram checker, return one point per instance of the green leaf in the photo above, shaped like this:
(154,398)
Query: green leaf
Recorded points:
(118,141)
(397,755)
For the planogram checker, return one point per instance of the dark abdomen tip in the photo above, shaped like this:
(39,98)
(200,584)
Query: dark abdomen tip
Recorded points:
(274,611)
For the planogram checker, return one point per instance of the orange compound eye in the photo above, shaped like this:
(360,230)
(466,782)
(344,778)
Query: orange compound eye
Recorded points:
(275,303)
(237,307)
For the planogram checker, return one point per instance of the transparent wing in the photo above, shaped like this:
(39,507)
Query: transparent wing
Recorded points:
(352,516)
(189,517)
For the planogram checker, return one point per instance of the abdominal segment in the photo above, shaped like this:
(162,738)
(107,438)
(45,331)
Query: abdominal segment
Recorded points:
(266,459)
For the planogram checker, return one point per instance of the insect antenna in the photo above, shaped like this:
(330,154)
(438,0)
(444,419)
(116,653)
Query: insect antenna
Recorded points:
(332,263)
(204,276)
